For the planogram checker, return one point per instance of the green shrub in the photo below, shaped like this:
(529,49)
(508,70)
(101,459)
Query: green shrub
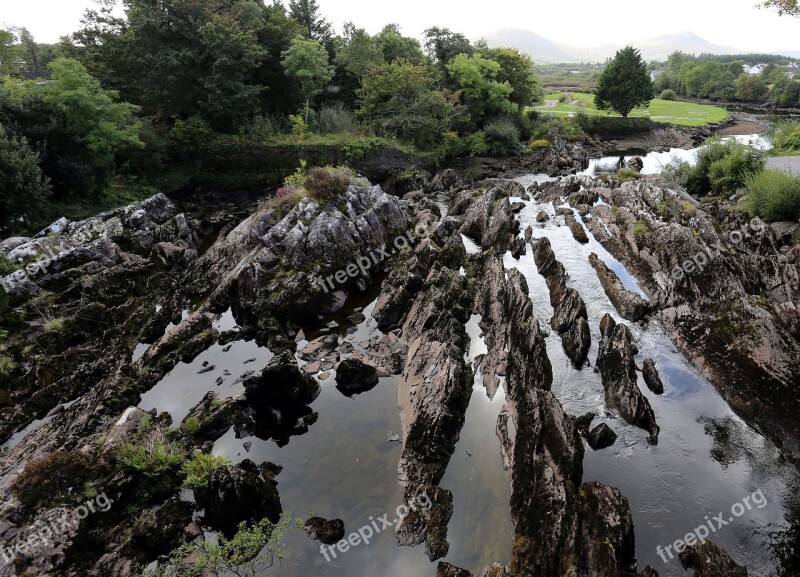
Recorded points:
(192,137)
(668,94)
(326,183)
(154,457)
(198,470)
(337,119)
(7,266)
(723,167)
(502,137)
(786,137)
(477,144)
(773,195)
(299,125)
(538,144)
(627,175)
(52,478)
(191,425)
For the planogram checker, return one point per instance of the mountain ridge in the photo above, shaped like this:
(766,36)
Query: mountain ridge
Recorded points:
(545,50)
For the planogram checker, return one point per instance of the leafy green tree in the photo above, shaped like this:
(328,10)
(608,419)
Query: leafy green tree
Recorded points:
(358,53)
(785,92)
(395,46)
(22,184)
(306,62)
(7,51)
(624,84)
(481,92)
(76,126)
(442,45)
(516,69)
(751,88)
(232,54)
(307,14)
(790,7)
(709,80)
(403,100)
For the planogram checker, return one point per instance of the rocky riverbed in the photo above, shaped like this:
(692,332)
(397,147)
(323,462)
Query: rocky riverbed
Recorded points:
(133,308)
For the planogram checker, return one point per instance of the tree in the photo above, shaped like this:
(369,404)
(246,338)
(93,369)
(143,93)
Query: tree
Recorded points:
(516,69)
(7,50)
(790,7)
(316,27)
(22,184)
(482,94)
(443,45)
(359,52)
(306,61)
(403,100)
(751,88)
(624,84)
(77,128)
(395,46)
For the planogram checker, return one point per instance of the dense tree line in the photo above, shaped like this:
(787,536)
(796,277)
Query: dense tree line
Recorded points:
(724,79)
(171,75)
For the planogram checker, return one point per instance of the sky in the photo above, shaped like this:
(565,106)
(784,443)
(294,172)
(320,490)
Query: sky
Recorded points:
(736,23)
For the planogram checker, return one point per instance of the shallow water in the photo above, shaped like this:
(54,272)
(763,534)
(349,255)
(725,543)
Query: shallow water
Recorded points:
(655,162)
(345,466)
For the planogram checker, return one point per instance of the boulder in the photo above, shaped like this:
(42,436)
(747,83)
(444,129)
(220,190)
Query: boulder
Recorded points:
(354,377)
(447,570)
(237,493)
(327,532)
(542,217)
(651,378)
(601,437)
(630,306)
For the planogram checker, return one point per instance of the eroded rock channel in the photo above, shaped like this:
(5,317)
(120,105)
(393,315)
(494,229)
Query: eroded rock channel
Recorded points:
(525,363)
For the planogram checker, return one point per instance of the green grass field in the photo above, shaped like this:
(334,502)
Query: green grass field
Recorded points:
(666,111)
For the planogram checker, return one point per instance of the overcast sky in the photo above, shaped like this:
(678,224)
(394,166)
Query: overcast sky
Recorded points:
(734,23)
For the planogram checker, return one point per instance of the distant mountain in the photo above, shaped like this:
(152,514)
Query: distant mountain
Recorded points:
(539,47)
(545,50)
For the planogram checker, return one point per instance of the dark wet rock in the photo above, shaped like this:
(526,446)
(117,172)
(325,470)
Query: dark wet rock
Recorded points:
(636,164)
(517,207)
(630,306)
(583,422)
(443,181)
(708,560)
(324,531)
(551,269)
(576,342)
(496,570)
(489,220)
(407,181)
(568,310)
(651,378)
(210,418)
(428,525)
(649,572)
(236,494)
(159,530)
(447,570)
(601,437)
(615,361)
(282,391)
(354,377)
(542,216)
(578,232)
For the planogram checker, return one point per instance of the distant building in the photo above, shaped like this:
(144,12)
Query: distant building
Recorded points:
(655,74)
(757,69)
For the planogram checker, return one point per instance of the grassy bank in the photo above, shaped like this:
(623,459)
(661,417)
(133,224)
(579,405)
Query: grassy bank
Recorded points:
(663,111)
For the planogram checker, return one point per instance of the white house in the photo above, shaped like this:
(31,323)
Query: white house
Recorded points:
(753,70)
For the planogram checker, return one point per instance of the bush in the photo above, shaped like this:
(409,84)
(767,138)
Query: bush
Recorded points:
(325,183)
(773,195)
(198,470)
(786,137)
(668,94)
(192,137)
(337,119)
(52,478)
(477,144)
(154,457)
(539,144)
(723,167)
(627,175)
(502,137)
